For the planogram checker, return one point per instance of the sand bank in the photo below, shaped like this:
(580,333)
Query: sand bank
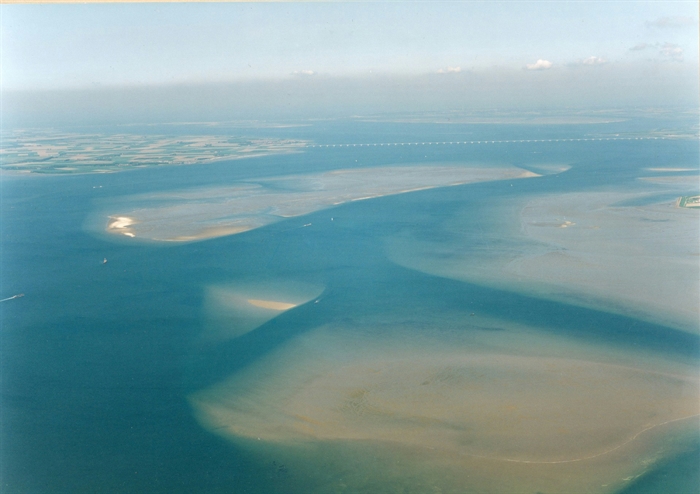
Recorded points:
(271,304)
(235,309)
(671,169)
(542,422)
(198,214)
(121,225)
(209,232)
(583,248)
(681,180)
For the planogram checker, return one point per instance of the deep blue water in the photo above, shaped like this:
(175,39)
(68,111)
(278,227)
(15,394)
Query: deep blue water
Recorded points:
(97,360)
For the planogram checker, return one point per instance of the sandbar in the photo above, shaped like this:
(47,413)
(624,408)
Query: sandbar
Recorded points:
(271,304)
(586,248)
(120,222)
(121,225)
(198,214)
(671,169)
(553,423)
(234,309)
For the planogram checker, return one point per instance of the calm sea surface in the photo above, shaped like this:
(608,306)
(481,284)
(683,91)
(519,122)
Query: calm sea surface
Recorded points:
(97,360)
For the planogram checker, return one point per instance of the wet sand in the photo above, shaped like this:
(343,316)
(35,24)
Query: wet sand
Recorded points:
(531,412)
(199,214)
(238,308)
(671,169)
(583,248)
(271,304)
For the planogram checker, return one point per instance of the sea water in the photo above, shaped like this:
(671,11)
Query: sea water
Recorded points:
(99,360)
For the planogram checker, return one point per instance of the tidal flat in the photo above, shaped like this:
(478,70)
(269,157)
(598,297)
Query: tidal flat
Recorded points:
(391,319)
(198,214)
(236,309)
(545,413)
(625,251)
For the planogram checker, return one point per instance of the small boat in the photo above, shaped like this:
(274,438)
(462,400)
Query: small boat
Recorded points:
(104,261)
(19,295)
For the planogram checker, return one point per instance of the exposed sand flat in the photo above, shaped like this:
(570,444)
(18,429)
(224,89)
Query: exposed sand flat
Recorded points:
(644,258)
(271,304)
(210,232)
(235,309)
(212,212)
(120,222)
(670,169)
(121,225)
(460,406)
(474,405)
(580,248)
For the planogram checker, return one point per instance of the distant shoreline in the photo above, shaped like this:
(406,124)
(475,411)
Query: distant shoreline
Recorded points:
(20,173)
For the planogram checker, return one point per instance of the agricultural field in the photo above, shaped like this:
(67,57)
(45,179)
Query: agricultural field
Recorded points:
(52,152)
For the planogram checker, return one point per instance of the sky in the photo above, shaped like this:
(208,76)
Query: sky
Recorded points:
(507,53)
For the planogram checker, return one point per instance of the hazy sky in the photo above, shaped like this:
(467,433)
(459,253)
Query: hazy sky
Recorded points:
(561,44)
(45,46)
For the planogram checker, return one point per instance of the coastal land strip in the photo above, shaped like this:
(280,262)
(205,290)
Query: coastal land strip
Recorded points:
(60,153)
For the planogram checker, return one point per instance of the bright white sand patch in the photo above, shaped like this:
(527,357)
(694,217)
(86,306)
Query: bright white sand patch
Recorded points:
(120,222)
(457,405)
(121,225)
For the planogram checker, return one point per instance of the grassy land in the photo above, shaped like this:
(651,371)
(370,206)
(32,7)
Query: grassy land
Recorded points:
(51,152)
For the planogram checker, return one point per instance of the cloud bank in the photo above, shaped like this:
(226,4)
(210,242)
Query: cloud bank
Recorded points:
(450,70)
(539,65)
(594,61)
(671,50)
(640,84)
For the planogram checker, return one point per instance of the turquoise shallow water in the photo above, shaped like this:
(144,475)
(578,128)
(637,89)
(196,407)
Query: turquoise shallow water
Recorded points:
(679,474)
(97,360)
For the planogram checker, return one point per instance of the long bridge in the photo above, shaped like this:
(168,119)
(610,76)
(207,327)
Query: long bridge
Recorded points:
(489,141)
